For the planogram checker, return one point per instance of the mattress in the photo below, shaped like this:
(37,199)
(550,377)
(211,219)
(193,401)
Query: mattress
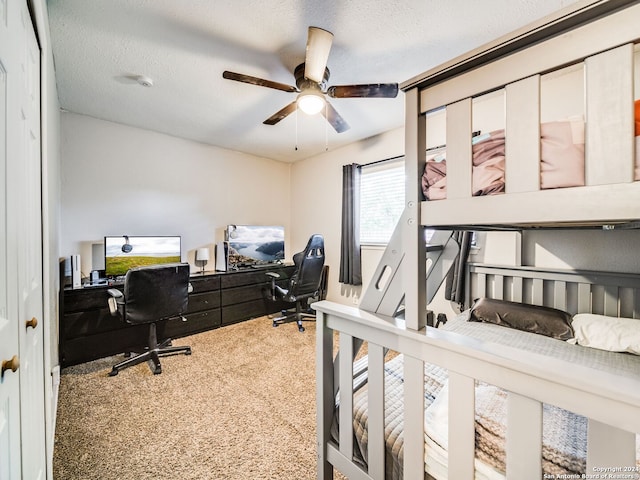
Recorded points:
(564,433)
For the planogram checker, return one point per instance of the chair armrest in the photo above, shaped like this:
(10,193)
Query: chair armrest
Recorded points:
(273,276)
(115,293)
(115,300)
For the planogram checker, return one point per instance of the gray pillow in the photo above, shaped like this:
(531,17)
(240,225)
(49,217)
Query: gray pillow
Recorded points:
(547,321)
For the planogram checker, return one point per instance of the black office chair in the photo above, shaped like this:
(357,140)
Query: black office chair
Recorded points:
(304,284)
(152,294)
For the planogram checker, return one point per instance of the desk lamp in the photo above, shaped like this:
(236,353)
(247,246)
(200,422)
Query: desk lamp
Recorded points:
(202,257)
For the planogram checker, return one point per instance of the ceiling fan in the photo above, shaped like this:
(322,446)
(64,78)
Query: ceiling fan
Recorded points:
(311,84)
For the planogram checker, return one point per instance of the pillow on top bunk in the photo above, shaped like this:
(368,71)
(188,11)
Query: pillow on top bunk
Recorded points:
(562,153)
(606,333)
(547,321)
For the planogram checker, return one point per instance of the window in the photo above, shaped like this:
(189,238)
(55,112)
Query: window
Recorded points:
(382,188)
(381,200)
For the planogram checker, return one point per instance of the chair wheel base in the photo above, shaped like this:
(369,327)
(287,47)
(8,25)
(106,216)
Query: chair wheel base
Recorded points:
(293,317)
(151,356)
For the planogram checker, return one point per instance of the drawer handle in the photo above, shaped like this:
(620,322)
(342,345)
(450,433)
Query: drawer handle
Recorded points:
(12,365)
(33,323)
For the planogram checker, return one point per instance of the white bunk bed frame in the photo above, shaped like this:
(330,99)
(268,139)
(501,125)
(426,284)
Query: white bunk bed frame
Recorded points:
(602,34)
(611,403)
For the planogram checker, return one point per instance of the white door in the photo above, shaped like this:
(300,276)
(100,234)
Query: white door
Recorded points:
(22,418)
(27,208)
(10,462)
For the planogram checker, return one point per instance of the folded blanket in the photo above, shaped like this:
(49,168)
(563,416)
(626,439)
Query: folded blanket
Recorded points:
(637,133)
(488,152)
(488,164)
(434,179)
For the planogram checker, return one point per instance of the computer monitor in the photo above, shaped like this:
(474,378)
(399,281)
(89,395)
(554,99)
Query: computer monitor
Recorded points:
(250,245)
(124,252)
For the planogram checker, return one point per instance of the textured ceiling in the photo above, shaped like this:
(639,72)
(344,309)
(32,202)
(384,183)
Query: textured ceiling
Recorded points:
(100,46)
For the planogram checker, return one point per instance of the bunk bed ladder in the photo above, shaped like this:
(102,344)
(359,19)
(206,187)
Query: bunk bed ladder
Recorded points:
(385,294)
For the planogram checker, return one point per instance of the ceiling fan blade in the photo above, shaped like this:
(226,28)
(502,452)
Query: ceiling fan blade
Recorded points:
(261,82)
(318,46)
(371,90)
(276,117)
(333,117)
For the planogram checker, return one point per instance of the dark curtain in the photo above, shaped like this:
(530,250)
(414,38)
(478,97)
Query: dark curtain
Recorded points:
(350,262)
(454,287)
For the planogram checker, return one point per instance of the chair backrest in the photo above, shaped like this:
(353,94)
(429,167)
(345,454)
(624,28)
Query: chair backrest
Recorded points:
(305,280)
(156,292)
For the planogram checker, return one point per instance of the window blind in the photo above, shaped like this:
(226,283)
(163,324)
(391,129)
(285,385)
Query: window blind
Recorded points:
(381,200)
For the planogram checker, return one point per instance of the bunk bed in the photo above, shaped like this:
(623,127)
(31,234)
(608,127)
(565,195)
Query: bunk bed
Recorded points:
(420,410)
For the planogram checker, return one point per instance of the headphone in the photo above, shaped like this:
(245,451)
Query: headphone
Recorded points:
(126,247)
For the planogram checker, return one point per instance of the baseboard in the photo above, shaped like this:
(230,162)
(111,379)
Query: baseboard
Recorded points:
(55,387)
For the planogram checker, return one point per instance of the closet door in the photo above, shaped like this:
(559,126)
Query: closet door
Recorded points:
(27,207)
(10,460)
(22,407)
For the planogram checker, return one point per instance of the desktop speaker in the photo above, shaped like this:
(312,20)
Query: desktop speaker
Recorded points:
(97,256)
(222,254)
(76,272)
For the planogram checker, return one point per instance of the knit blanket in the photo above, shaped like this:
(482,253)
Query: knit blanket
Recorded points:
(564,433)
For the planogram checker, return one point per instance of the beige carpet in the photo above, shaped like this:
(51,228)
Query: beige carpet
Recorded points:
(242,406)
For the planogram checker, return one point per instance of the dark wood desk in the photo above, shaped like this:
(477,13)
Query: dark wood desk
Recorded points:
(88,331)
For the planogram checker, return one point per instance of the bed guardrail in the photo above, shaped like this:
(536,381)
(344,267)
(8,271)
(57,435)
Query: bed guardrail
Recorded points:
(611,403)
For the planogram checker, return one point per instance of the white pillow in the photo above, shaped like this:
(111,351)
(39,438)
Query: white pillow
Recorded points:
(606,333)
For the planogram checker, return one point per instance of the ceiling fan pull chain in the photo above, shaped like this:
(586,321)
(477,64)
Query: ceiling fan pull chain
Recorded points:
(326,128)
(296,129)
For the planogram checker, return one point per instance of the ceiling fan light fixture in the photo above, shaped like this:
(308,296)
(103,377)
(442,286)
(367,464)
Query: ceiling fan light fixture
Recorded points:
(311,102)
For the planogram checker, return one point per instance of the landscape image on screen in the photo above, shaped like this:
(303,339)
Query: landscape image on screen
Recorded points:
(254,245)
(144,251)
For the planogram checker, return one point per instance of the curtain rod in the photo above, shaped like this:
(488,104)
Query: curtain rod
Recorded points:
(380,161)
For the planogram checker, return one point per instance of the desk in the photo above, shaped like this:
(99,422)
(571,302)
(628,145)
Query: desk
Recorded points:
(88,331)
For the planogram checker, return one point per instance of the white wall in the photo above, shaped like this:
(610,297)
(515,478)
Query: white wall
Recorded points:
(316,198)
(614,251)
(119,180)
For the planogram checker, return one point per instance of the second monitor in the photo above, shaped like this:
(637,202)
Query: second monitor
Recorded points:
(250,245)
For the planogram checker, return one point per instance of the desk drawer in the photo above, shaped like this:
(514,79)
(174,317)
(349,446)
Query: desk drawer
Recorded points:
(86,299)
(248,293)
(89,322)
(196,323)
(91,347)
(242,311)
(205,283)
(252,277)
(203,301)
